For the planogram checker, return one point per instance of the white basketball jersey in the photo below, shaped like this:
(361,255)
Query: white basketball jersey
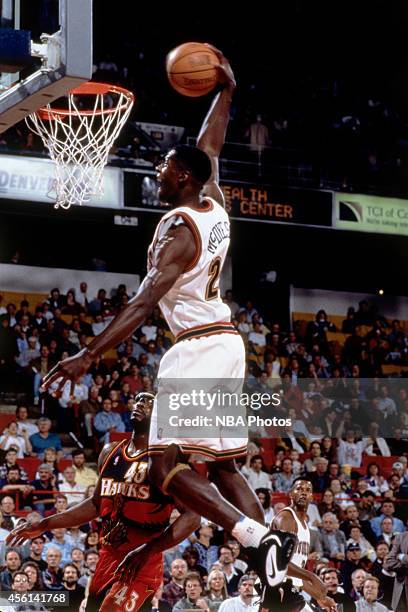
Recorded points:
(302,548)
(194,300)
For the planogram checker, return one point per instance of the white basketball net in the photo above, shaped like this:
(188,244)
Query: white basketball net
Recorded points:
(79,141)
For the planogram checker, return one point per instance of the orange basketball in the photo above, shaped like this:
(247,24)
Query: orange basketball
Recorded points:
(190,68)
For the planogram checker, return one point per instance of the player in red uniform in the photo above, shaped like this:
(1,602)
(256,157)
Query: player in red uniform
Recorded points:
(134,512)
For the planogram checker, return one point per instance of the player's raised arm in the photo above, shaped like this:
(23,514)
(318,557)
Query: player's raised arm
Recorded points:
(212,134)
(173,253)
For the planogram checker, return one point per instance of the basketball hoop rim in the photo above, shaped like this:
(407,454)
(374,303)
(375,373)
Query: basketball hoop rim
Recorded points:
(89,88)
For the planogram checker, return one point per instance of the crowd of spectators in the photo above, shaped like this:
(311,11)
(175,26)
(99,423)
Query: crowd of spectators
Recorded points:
(346,419)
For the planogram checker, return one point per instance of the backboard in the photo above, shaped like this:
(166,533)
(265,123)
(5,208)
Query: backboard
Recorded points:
(60,48)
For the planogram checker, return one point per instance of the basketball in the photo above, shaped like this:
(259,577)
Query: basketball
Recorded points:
(190,69)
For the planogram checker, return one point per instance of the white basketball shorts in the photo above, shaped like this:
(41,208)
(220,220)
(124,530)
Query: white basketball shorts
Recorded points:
(216,357)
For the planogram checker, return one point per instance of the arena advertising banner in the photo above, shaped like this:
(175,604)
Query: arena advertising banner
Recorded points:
(31,179)
(368,213)
(246,202)
(250,202)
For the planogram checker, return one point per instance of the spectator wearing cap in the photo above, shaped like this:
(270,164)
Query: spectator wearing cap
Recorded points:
(350,565)
(369,602)
(356,537)
(330,578)
(45,438)
(244,601)
(387,511)
(333,540)
(399,469)
(42,496)
(29,353)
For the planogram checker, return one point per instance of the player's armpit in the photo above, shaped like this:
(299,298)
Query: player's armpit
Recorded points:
(213,190)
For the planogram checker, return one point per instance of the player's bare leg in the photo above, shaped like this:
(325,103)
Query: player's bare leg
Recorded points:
(194,490)
(170,472)
(235,487)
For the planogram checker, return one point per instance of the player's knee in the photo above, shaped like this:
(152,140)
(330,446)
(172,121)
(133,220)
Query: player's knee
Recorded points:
(162,464)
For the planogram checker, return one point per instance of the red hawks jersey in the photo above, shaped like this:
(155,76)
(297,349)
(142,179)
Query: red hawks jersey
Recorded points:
(133,509)
(194,300)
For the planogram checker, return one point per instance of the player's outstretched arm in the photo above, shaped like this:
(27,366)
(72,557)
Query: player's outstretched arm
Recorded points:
(74,517)
(80,514)
(214,128)
(173,254)
(175,533)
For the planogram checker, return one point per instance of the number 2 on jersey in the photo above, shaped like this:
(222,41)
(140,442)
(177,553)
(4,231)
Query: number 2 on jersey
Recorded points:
(212,290)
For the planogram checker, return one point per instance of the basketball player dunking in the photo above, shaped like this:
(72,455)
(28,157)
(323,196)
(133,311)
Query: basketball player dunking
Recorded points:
(293,518)
(185,260)
(134,514)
